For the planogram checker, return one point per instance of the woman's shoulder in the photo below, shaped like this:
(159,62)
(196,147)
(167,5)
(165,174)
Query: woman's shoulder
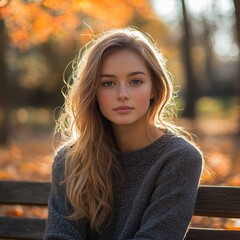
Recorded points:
(185,151)
(186,146)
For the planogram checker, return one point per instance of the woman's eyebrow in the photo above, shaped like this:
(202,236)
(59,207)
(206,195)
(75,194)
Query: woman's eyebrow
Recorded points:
(136,73)
(107,75)
(129,75)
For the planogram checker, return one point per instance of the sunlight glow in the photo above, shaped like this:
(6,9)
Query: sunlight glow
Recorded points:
(224,43)
(167,10)
(199,6)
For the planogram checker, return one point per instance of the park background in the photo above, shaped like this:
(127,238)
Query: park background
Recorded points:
(39,38)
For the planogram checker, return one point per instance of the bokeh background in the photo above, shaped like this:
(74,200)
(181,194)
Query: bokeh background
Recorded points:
(39,38)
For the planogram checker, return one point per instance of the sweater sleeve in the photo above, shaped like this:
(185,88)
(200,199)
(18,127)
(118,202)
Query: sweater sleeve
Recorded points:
(58,226)
(171,206)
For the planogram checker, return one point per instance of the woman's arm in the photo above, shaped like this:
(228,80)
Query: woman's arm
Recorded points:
(172,203)
(58,226)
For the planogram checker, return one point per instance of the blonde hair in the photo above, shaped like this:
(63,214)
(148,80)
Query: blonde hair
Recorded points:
(90,164)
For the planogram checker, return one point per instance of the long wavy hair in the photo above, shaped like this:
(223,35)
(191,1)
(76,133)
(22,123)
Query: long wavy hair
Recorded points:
(91,164)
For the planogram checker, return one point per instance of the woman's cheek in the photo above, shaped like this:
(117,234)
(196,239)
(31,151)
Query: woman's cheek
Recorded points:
(105,99)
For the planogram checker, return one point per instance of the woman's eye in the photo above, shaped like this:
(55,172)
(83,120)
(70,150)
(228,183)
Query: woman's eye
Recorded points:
(107,84)
(136,82)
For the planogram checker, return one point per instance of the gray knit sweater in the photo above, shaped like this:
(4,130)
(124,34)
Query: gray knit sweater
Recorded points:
(155,200)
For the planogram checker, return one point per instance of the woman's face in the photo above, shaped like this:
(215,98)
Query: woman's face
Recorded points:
(125,88)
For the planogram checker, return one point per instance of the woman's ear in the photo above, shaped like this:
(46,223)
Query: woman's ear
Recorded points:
(152,94)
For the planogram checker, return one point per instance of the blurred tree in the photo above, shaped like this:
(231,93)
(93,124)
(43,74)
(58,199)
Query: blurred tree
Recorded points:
(31,23)
(237,13)
(191,83)
(209,58)
(4,110)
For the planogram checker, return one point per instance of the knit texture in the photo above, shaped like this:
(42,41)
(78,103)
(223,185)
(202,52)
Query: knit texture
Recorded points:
(154,200)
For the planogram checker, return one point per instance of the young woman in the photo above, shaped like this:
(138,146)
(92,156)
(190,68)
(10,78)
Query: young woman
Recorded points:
(125,172)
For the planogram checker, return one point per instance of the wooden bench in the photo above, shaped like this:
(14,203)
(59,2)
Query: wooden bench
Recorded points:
(212,201)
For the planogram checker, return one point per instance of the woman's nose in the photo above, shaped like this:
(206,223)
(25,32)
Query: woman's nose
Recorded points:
(123,93)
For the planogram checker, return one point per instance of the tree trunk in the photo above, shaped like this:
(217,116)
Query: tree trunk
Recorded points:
(235,168)
(191,84)
(237,14)
(4,110)
(209,72)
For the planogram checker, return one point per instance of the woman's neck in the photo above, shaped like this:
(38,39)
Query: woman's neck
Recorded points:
(131,138)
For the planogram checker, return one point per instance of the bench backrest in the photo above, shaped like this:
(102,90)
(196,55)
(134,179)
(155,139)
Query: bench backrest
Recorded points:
(212,201)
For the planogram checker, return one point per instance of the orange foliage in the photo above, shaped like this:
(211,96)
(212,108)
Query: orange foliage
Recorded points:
(27,159)
(33,23)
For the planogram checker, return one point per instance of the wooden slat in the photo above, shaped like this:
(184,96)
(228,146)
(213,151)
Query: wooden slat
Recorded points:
(24,193)
(22,228)
(215,201)
(212,234)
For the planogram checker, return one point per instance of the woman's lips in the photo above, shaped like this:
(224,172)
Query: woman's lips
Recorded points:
(123,109)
